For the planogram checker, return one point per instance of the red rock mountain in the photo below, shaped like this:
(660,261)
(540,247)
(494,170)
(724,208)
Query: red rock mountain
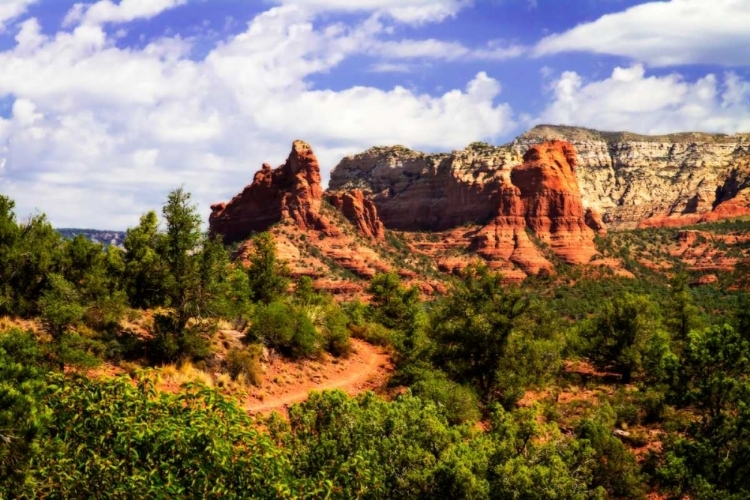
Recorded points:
(291,191)
(507,210)
(360,211)
(540,195)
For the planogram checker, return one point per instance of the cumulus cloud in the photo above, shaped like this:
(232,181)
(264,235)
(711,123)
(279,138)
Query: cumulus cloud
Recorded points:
(669,33)
(106,11)
(665,34)
(441,50)
(408,11)
(12,9)
(98,133)
(631,100)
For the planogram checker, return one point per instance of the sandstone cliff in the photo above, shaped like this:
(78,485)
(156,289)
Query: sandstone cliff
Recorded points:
(291,191)
(314,239)
(495,193)
(645,181)
(360,211)
(428,192)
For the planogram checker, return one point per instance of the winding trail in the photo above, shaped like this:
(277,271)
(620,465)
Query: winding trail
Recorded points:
(367,368)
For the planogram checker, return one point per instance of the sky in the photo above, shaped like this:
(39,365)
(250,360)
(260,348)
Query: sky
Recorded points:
(106,106)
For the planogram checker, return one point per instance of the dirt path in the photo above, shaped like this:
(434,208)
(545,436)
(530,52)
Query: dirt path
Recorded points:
(367,368)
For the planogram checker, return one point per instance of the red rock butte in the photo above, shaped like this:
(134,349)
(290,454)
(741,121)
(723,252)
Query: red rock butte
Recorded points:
(292,190)
(540,195)
(525,207)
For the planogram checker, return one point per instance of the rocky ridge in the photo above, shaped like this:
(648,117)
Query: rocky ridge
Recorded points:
(525,203)
(656,181)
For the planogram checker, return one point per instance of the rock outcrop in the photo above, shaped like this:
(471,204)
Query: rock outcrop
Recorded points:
(428,192)
(655,181)
(514,202)
(291,191)
(541,195)
(360,211)
(309,236)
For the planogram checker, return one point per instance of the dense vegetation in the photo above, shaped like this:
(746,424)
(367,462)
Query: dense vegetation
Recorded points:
(489,399)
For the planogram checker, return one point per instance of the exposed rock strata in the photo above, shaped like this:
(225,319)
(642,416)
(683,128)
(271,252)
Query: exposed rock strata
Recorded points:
(428,192)
(288,201)
(541,194)
(508,194)
(652,181)
(291,191)
(360,211)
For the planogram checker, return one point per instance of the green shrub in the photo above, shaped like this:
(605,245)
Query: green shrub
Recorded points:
(335,332)
(458,403)
(372,333)
(245,363)
(283,327)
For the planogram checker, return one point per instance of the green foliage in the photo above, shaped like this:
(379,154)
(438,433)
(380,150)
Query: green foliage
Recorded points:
(60,306)
(473,325)
(681,314)
(395,306)
(614,467)
(144,268)
(458,403)
(113,440)
(627,336)
(369,448)
(22,416)
(267,276)
(172,343)
(281,326)
(28,254)
(245,363)
(710,460)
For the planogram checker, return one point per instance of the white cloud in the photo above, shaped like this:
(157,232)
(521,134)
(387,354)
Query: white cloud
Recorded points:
(385,67)
(406,11)
(665,33)
(99,134)
(106,11)
(12,9)
(441,50)
(630,100)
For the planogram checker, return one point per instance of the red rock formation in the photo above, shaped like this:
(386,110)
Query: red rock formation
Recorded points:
(360,211)
(706,279)
(594,220)
(543,195)
(505,237)
(729,209)
(292,191)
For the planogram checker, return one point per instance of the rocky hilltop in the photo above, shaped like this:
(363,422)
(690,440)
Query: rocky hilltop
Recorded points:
(520,207)
(428,192)
(291,191)
(514,212)
(631,180)
(650,181)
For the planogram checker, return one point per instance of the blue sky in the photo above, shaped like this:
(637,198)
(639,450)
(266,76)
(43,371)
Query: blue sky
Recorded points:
(107,105)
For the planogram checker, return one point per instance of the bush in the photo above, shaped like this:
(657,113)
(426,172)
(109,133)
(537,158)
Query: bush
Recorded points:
(335,332)
(372,333)
(171,344)
(282,327)
(245,363)
(458,403)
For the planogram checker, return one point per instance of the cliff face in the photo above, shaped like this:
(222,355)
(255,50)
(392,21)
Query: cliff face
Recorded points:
(542,194)
(646,181)
(360,211)
(628,180)
(291,191)
(428,192)
(506,193)
(311,237)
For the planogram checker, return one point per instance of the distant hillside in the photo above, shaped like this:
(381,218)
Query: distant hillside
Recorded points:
(100,236)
